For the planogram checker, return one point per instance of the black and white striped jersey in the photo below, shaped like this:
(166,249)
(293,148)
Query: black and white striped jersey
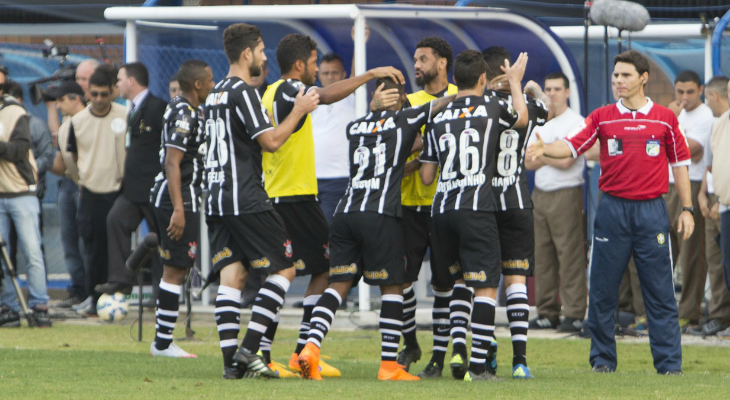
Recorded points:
(463,139)
(182,130)
(234,117)
(510,180)
(380,143)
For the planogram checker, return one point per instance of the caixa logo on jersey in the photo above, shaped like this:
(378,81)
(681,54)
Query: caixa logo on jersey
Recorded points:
(365,127)
(464,112)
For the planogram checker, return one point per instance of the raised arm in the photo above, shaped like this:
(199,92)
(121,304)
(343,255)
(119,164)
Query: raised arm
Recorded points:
(339,90)
(515,73)
(272,139)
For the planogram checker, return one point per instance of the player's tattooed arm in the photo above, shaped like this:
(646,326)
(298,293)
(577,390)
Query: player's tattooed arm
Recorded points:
(515,73)
(533,89)
(440,103)
(339,90)
(383,99)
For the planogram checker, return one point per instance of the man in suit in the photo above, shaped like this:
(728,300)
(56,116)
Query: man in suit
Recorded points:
(141,166)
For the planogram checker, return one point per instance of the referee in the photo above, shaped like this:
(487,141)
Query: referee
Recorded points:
(637,140)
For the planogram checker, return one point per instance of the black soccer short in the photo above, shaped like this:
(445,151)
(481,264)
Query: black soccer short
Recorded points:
(467,243)
(309,233)
(258,240)
(177,253)
(417,231)
(369,245)
(517,240)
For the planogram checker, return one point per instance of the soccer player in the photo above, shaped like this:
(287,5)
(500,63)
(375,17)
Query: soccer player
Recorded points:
(245,231)
(432,62)
(366,239)
(290,177)
(176,194)
(463,141)
(638,140)
(514,211)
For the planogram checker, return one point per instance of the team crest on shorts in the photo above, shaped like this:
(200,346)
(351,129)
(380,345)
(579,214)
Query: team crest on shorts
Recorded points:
(661,239)
(289,252)
(192,249)
(653,147)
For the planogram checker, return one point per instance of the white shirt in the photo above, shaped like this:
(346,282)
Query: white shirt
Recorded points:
(696,125)
(710,189)
(549,178)
(331,147)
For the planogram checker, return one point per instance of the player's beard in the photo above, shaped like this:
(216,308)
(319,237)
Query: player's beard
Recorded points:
(307,78)
(426,77)
(255,68)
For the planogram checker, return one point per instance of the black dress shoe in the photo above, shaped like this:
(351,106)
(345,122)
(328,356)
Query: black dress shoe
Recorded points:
(672,373)
(602,369)
(113,287)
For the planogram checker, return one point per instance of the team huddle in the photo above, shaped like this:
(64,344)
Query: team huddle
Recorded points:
(441,169)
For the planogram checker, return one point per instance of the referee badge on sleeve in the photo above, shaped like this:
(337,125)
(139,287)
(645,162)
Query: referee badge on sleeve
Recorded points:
(653,147)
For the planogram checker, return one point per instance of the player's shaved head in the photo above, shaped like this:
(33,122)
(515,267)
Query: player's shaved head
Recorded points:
(718,84)
(468,67)
(189,72)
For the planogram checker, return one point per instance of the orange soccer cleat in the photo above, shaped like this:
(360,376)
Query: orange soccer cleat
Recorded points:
(391,371)
(294,362)
(309,362)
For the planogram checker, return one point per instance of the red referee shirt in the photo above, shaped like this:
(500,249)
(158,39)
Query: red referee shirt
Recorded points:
(635,148)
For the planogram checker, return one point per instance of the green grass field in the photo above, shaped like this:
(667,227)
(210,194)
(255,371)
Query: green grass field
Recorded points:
(102,362)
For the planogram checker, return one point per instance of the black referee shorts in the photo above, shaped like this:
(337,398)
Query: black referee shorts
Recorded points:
(177,253)
(417,231)
(258,240)
(369,245)
(309,233)
(467,243)
(517,240)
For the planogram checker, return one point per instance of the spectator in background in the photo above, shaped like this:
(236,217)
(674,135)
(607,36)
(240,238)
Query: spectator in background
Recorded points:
(173,87)
(329,121)
(560,265)
(140,169)
(96,140)
(19,205)
(70,100)
(719,302)
(695,118)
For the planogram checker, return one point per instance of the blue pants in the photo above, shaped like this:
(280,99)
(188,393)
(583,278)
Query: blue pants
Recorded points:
(330,193)
(73,255)
(622,228)
(24,212)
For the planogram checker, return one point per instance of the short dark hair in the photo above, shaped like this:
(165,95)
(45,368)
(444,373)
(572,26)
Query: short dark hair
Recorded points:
(440,47)
(329,57)
(110,70)
(634,58)
(101,77)
(494,57)
(172,79)
(189,72)
(688,76)
(559,75)
(15,90)
(239,37)
(138,71)
(718,84)
(293,47)
(468,67)
(389,83)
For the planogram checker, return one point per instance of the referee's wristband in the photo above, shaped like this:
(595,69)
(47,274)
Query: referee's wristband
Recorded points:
(690,209)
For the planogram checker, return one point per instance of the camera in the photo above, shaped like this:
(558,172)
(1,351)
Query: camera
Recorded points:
(65,72)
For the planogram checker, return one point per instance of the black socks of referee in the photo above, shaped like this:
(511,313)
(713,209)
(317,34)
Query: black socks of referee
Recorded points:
(264,310)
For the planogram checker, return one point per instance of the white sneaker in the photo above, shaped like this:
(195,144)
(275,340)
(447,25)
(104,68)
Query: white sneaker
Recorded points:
(172,351)
(83,305)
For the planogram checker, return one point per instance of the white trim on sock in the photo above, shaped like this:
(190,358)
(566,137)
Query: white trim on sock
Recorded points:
(280,281)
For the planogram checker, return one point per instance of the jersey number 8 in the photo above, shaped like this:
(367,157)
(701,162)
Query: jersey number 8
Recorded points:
(507,159)
(218,152)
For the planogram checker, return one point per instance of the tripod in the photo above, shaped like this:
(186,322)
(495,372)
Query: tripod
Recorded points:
(14,278)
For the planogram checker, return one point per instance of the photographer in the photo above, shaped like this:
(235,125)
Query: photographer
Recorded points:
(19,205)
